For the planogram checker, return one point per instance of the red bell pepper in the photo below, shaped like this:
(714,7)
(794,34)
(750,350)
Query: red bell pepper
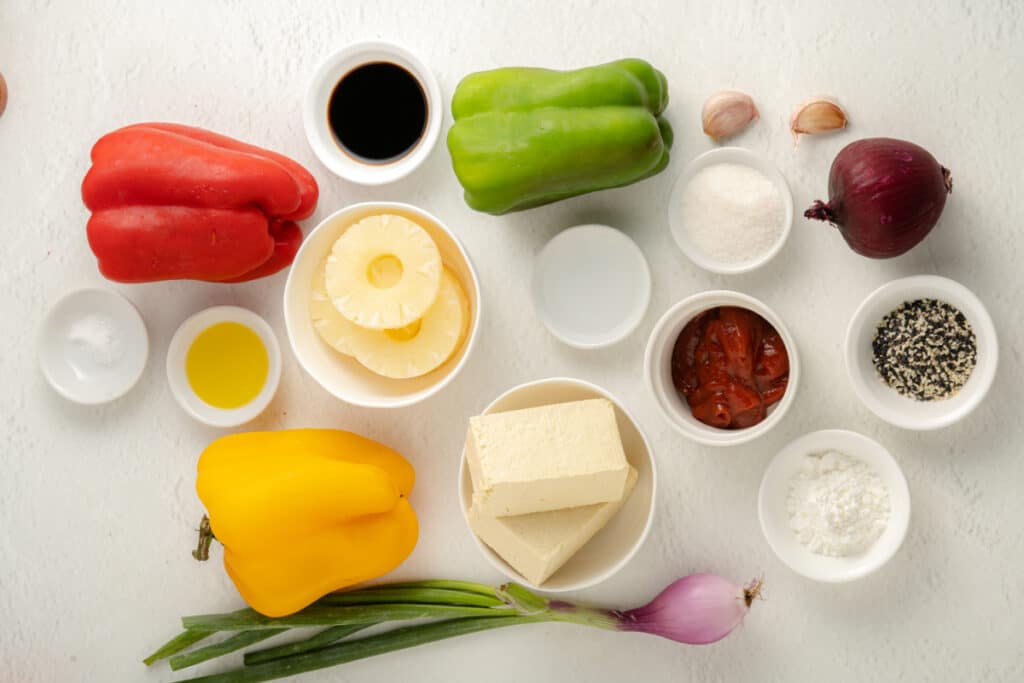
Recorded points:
(175,202)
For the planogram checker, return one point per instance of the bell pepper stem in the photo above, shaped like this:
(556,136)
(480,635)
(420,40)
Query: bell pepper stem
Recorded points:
(206,537)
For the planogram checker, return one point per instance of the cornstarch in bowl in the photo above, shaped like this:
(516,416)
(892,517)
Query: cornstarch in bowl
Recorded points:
(838,505)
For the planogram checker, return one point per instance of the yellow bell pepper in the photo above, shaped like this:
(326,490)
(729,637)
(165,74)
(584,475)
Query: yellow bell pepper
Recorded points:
(305,512)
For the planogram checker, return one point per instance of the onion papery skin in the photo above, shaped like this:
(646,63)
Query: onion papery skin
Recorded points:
(885,196)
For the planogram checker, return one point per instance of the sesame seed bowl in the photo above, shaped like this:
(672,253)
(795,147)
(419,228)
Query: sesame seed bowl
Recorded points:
(925,400)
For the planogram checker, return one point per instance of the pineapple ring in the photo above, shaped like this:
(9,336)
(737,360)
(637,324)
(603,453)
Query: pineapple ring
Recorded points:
(424,345)
(384,272)
(334,328)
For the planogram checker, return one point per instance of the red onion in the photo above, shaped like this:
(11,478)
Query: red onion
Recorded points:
(885,196)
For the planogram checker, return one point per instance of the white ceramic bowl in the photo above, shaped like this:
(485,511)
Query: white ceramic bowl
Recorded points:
(614,545)
(100,375)
(182,390)
(727,155)
(340,375)
(771,504)
(658,368)
(591,286)
(887,403)
(318,95)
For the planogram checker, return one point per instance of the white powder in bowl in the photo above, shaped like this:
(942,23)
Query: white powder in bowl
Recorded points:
(732,213)
(98,339)
(837,505)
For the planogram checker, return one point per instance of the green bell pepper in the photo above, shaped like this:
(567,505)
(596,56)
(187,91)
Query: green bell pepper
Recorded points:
(524,137)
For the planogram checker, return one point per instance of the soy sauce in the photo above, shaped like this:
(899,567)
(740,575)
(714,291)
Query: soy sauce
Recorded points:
(378,112)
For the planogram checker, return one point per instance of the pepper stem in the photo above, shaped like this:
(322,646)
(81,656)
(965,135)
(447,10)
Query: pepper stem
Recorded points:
(820,211)
(206,537)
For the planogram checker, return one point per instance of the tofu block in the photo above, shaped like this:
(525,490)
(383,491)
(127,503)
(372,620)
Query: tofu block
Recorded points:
(538,544)
(546,458)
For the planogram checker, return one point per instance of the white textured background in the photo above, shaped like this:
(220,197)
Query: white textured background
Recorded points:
(97,507)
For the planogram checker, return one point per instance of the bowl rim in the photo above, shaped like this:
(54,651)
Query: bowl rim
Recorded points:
(43,359)
(182,339)
(635,317)
(901,496)
(503,567)
(746,157)
(471,335)
(700,301)
(316,128)
(918,286)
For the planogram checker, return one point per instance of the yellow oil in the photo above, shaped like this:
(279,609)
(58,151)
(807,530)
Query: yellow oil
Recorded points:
(227,365)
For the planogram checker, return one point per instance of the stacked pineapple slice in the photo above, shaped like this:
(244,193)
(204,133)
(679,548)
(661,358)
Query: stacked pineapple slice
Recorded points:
(384,297)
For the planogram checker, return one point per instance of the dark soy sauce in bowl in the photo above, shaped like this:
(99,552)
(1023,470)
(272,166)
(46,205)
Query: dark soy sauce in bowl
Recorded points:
(378,112)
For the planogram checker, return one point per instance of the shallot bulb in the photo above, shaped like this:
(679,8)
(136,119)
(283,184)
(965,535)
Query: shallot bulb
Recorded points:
(696,609)
(885,196)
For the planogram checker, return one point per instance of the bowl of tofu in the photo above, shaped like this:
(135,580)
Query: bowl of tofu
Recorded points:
(557,484)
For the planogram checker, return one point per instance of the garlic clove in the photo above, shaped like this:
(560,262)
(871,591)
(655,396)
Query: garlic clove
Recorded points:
(817,115)
(728,112)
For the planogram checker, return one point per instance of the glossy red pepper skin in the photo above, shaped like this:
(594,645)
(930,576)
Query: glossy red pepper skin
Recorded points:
(139,243)
(308,189)
(730,364)
(174,202)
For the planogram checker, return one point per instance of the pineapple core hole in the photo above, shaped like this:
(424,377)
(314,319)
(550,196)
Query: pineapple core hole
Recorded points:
(401,334)
(384,272)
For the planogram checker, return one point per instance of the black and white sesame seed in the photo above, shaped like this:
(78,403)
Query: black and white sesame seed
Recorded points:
(925,349)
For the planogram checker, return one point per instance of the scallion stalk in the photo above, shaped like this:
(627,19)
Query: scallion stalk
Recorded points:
(322,639)
(178,643)
(351,650)
(333,616)
(419,596)
(233,643)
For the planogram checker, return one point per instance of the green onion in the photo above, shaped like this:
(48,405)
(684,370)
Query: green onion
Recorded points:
(430,596)
(444,584)
(232,644)
(177,644)
(351,650)
(696,609)
(246,619)
(328,636)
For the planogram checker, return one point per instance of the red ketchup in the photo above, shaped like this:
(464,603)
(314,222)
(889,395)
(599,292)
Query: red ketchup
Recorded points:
(730,364)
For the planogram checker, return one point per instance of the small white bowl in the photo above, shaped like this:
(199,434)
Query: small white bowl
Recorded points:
(614,545)
(318,130)
(591,286)
(889,404)
(182,389)
(90,377)
(340,375)
(658,368)
(771,506)
(727,155)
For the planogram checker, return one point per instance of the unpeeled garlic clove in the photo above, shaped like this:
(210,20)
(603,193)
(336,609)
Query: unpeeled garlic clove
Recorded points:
(817,115)
(727,113)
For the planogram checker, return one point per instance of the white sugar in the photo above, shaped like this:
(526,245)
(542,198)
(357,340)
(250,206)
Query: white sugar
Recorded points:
(732,213)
